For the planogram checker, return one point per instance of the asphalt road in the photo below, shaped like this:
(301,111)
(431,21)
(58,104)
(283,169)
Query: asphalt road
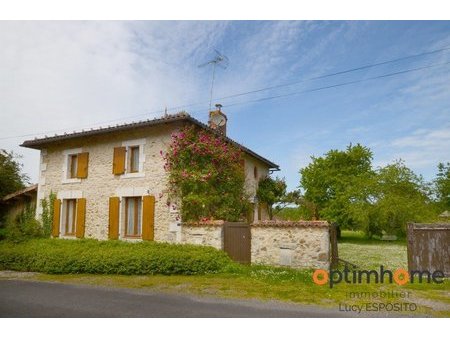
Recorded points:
(21,298)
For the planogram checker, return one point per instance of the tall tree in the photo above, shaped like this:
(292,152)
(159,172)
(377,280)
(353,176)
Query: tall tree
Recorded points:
(339,185)
(442,186)
(11,177)
(271,191)
(402,197)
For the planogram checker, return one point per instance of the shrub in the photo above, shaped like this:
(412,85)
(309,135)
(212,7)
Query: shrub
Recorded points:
(206,176)
(59,256)
(23,227)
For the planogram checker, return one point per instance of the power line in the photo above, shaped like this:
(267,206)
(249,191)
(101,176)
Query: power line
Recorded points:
(336,85)
(445,48)
(337,73)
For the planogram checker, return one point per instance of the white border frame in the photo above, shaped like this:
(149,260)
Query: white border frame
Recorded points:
(133,143)
(65,168)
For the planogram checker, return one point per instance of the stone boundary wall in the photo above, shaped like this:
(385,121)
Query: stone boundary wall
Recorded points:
(303,244)
(203,234)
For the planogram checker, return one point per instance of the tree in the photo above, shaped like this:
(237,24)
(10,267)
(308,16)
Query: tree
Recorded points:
(11,177)
(206,176)
(442,186)
(271,191)
(402,197)
(339,186)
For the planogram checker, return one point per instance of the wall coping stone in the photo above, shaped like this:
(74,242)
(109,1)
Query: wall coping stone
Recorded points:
(292,224)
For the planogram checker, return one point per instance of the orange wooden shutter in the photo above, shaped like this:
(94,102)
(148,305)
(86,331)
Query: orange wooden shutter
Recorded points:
(148,218)
(114,204)
(81,217)
(119,160)
(56,217)
(82,166)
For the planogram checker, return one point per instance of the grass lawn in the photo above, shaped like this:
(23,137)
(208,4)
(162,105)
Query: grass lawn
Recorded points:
(268,283)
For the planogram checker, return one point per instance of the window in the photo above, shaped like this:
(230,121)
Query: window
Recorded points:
(73,165)
(133,217)
(133,159)
(255,172)
(69,217)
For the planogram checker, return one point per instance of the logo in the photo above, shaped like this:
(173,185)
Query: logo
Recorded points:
(399,276)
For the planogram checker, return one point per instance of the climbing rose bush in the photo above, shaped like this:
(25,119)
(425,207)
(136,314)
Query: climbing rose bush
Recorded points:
(206,176)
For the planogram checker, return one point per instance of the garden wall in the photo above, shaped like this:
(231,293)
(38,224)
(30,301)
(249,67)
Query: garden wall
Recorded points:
(302,244)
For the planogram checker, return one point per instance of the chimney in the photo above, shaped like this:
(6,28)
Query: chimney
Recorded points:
(218,120)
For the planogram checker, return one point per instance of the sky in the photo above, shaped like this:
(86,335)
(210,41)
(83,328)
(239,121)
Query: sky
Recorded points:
(62,76)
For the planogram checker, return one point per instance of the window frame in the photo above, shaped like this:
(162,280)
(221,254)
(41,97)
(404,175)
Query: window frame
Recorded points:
(137,215)
(66,216)
(140,144)
(72,168)
(133,151)
(66,168)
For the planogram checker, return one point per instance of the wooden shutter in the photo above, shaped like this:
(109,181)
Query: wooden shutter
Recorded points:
(119,160)
(56,217)
(148,218)
(114,204)
(82,166)
(81,217)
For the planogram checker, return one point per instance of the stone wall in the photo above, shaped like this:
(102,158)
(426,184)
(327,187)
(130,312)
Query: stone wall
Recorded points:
(206,234)
(296,244)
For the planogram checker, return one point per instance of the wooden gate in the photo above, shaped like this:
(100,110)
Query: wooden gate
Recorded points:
(428,247)
(237,241)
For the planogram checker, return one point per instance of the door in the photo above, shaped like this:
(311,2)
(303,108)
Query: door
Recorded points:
(237,241)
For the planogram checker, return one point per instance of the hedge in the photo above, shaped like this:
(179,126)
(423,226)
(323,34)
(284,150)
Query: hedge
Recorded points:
(59,256)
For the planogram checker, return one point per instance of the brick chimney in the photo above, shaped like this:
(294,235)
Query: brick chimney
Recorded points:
(218,120)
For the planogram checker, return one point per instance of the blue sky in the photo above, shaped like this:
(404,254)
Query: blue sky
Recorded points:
(72,75)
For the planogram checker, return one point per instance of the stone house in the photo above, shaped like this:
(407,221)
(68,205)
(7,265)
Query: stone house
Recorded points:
(110,183)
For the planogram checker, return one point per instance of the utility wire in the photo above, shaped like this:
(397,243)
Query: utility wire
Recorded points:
(337,85)
(445,48)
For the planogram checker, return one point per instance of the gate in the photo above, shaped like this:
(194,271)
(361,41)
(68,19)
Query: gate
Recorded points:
(237,241)
(428,247)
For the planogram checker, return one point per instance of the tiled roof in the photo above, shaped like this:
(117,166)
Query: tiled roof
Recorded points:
(26,191)
(39,143)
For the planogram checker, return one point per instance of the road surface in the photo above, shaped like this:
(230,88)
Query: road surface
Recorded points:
(23,298)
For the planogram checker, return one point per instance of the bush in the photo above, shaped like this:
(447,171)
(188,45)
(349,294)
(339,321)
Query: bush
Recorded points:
(59,256)
(22,227)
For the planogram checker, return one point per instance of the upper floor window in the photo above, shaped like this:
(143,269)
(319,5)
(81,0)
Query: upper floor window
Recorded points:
(75,165)
(128,160)
(133,159)
(255,172)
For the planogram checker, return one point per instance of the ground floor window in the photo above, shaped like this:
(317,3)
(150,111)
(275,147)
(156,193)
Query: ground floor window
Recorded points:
(69,216)
(133,217)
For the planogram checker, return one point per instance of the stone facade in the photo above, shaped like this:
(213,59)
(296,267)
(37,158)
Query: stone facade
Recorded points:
(101,183)
(294,244)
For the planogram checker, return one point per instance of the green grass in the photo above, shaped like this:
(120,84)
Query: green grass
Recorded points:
(289,285)
(371,253)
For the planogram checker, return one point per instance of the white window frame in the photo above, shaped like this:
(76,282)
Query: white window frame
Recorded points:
(134,143)
(66,169)
(63,196)
(123,193)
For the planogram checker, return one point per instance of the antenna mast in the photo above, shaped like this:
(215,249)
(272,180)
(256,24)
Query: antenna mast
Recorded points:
(219,60)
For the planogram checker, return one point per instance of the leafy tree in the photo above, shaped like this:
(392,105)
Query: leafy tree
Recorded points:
(206,176)
(339,186)
(271,191)
(402,197)
(442,186)
(11,178)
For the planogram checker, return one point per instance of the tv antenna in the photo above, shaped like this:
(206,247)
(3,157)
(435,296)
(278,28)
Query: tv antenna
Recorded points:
(219,60)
